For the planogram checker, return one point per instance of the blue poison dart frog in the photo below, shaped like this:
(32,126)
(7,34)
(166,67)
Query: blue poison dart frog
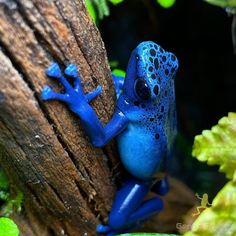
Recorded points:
(144,123)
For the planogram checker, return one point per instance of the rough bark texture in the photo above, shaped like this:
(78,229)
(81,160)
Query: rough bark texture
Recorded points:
(67,184)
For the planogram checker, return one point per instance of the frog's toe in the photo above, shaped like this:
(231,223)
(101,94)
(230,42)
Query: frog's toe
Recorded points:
(106,230)
(71,70)
(103,229)
(54,71)
(126,229)
(47,93)
(110,231)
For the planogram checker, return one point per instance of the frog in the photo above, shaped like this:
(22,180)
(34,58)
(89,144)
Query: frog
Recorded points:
(144,124)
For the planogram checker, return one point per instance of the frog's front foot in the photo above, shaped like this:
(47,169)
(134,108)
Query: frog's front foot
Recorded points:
(73,95)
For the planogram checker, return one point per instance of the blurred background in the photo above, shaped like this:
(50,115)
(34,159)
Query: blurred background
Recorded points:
(200,36)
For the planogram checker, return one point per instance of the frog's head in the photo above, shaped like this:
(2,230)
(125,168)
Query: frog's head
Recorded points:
(150,71)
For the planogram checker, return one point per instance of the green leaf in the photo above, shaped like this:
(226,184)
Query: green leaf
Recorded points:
(118,72)
(103,9)
(166,3)
(222,3)
(4,184)
(218,146)
(115,2)
(14,204)
(8,227)
(91,10)
(99,7)
(113,64)
(220,219)
(4,195)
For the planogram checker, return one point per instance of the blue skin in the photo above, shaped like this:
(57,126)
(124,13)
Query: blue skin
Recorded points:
(144,123)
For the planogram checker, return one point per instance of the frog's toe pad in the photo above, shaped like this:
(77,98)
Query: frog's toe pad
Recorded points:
(71,70)
(47,93)
(54,71)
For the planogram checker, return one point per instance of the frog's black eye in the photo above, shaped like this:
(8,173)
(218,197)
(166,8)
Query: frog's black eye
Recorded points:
(141,89)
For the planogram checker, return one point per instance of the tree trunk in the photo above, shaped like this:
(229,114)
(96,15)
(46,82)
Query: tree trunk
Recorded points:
(67,183)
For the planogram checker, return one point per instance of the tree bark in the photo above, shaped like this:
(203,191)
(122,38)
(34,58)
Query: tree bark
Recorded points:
(67,184)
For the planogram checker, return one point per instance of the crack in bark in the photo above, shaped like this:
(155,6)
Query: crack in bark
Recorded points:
(40,38)
(40,177)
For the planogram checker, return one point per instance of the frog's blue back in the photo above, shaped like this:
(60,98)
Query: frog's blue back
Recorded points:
(148,101)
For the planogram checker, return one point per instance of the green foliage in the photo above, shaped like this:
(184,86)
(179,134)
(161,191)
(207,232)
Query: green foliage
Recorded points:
(101,8)
(114,64)
(4,186)
(10,203)
(118,72)
(166,3)
(91,10)
(218,146)
(222,3)
(13,204)
(98,7)
(94,7)
(8,227)
(115,2)
(220,219)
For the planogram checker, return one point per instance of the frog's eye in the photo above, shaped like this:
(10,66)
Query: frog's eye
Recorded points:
(141,89)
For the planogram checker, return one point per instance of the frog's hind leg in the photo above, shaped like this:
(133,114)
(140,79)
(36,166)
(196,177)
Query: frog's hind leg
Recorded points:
(135,220)
(147,209)
(129,209)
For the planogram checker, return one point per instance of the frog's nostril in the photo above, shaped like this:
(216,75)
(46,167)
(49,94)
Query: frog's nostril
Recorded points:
(156,89)
(153,52)
(166,72)
(156,63)
(164,58)
(173,57)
